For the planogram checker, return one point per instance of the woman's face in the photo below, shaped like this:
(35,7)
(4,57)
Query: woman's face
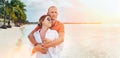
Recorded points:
(47,21)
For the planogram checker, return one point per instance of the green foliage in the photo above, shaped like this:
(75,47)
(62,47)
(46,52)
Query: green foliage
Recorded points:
(14,10)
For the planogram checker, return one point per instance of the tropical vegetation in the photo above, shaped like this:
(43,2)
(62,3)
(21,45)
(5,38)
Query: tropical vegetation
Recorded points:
(13,10)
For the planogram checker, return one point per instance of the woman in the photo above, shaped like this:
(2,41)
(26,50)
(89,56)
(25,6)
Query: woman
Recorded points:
(46,35)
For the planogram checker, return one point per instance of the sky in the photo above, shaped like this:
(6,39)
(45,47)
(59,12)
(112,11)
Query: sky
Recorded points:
(105,11)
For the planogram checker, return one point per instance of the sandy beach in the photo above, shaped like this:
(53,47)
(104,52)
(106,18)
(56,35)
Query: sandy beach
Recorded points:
(9,39)
(81,41)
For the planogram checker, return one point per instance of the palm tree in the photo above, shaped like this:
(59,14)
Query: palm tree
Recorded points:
(1,9)
(14,10)
(4,26)
(8,12)
(19,11)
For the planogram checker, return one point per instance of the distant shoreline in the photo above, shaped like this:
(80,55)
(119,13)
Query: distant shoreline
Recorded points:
(82,22)
(75,23)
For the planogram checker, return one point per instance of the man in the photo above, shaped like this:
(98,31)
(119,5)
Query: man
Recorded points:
(56,25)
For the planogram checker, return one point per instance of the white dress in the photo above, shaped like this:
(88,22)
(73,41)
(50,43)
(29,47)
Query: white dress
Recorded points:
(53,52)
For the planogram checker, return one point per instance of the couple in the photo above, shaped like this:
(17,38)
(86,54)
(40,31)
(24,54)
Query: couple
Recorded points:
(48,36)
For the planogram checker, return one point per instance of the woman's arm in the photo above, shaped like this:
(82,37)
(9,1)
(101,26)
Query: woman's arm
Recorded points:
(31,36)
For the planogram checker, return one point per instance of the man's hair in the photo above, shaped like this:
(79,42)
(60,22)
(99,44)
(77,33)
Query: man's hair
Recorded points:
(51,7)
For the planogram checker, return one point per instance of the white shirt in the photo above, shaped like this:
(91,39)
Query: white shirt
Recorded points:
(53,52)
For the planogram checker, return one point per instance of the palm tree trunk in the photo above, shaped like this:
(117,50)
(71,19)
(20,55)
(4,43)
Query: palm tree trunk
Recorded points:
(4,26)
(9,26)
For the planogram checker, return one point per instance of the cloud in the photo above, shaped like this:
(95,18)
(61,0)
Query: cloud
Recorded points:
(75,11)
(36,8)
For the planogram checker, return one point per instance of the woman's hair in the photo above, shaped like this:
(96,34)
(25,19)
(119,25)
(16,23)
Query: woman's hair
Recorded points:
(42,18)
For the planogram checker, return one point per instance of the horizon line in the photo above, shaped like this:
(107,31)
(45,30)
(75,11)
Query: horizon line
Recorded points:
(82,23)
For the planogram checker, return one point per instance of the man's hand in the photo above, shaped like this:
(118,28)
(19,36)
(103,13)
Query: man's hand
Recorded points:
(46,41)
(47,45)
(40,49)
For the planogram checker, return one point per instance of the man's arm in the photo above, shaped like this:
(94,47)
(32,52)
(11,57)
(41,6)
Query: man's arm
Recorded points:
(58,40)
(55,42)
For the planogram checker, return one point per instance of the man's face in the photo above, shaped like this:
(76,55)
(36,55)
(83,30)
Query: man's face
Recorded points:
(52,12)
